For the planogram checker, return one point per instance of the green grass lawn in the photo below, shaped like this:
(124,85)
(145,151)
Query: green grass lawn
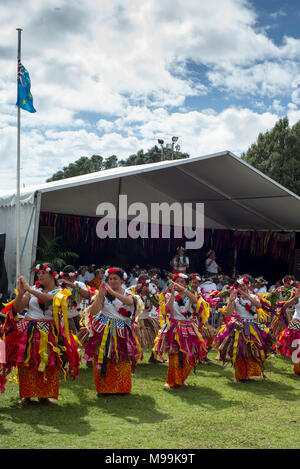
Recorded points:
(214,412)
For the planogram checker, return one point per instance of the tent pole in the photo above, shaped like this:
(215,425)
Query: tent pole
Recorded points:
(18,171)
(37,203)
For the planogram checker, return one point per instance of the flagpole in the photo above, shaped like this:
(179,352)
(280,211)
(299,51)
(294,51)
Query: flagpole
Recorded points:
(18,170)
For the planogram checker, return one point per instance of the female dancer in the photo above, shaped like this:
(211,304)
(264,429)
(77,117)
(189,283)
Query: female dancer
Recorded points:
(289,339)
(39,345)
(110,339)
(179,337)
(78,292)
(202,312)
(283,312)
(246,341)
(148,323)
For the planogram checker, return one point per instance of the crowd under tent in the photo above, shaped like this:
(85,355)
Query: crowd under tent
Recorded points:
(245,213)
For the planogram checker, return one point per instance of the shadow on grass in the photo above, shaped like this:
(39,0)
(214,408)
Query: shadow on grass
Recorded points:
(267,387)
(70,414)
(273,366)
(63,418)
(155,372)
(270,386)
(195,393)
(282,366)
(202,397)
(132,407)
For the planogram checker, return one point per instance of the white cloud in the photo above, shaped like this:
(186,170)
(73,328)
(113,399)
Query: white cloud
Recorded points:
(265,79)
(199,133)
(131,64)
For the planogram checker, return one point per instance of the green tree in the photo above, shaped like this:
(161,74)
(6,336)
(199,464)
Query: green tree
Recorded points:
(85,165)
(110,162)
(52,250)
(276,153)
(153,155)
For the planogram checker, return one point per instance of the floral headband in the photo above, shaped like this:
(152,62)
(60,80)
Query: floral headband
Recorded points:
(46,268)
(145,282)
(69,274)
(243,281)
(114,270)
(195,277)
(175,276)
(288,280)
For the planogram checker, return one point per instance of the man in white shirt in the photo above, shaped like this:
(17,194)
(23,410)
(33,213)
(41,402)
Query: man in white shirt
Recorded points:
(208,285)
(81,274)
(180,263)
(211,266)
(90,273)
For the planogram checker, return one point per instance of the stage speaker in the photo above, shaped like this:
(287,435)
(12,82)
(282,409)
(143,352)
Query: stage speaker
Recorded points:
(3,273)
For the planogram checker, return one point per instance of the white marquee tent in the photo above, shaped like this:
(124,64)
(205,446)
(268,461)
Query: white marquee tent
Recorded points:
(235,195)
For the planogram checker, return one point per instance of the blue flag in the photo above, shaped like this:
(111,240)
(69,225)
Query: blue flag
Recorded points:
(25,100)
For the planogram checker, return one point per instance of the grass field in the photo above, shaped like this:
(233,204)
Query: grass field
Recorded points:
(214,412)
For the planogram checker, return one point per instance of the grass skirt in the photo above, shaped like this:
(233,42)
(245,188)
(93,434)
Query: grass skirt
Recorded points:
(246,343)
(208,333)
(147,331)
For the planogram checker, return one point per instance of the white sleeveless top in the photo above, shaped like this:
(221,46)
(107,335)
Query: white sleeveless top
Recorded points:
(35,312)
(111,309)
(177,310)
(241,310)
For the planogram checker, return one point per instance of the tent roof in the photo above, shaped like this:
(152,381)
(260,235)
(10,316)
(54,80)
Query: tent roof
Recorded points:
(235,195)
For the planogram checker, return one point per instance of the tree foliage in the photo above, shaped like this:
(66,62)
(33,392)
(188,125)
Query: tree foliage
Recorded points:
(85,165)
(52,250)
(276,153)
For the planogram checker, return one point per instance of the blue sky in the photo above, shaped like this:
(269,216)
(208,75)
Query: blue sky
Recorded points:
(110,77)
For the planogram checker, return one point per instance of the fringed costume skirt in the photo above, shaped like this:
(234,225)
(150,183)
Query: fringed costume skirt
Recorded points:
(288,344)
(114,347)
(40,352)
(247,344)
(185,346)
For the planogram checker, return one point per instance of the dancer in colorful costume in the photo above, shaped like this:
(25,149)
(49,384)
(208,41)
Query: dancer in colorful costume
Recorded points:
(148,323)
(179,337)
(110,334)
(39,344)
(289,339)
(202,312)
(245,340)
(281,311)
(78,293)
